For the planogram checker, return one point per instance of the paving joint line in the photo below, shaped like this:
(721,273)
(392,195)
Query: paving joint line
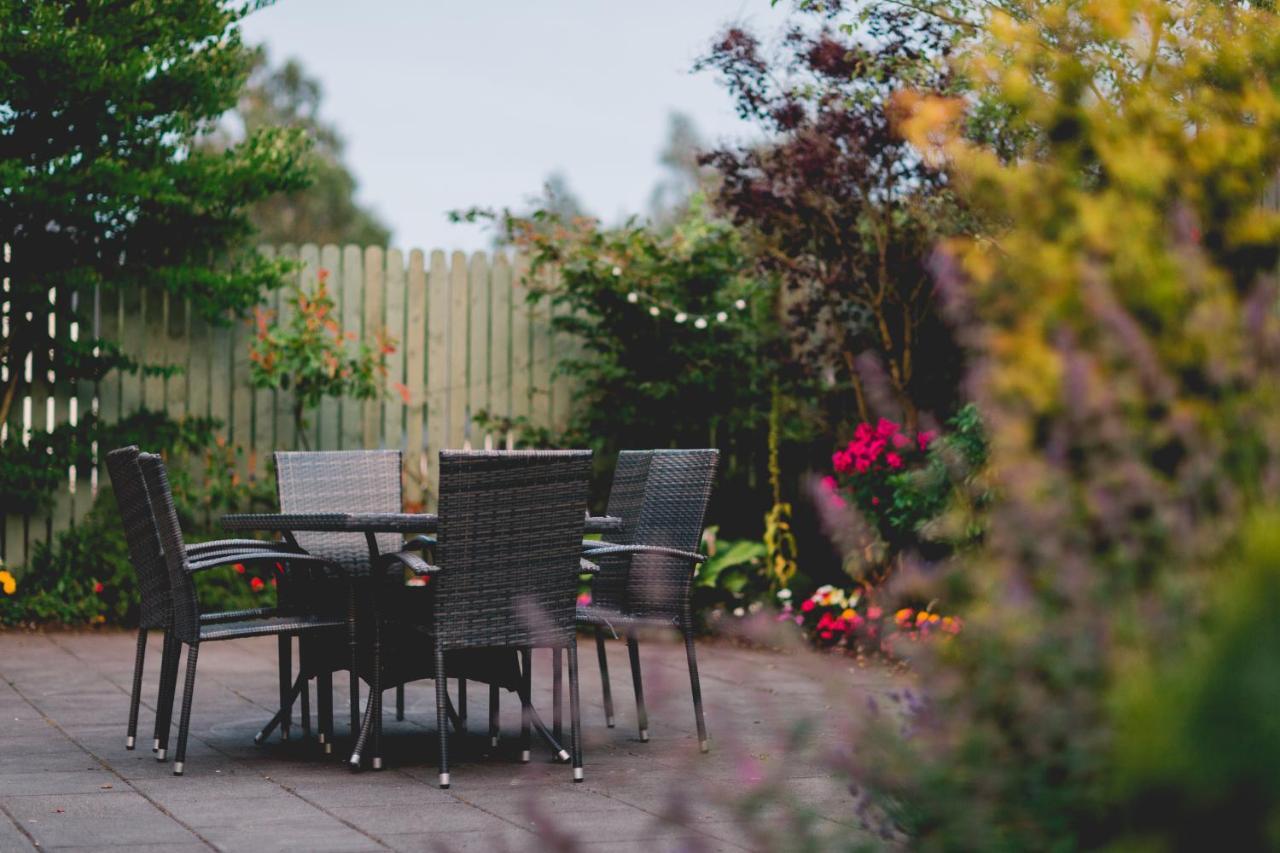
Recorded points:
(211,746)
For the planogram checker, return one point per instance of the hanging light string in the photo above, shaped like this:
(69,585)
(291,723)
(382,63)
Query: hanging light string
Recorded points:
(659,307)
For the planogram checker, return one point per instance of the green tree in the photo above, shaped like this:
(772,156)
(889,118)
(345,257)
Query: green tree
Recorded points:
(104,187)
(325,211)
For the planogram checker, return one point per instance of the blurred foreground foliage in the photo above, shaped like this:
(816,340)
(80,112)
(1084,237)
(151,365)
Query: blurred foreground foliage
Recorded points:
(1120,317)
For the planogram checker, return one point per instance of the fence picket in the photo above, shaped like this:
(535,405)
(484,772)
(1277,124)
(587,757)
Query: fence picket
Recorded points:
(327,415)
(374,324)
(350,411)
(500,341)
(521,344)
(478,371)
(437,384)
(415,379)
(393,407)
(459,330)
(264,403)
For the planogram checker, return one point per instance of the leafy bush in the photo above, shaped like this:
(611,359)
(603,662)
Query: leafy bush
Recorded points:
(1123,339)
(84,575)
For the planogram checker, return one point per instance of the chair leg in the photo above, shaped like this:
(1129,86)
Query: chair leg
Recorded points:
(353,643)
(704,743)
(284,645)
(168,687)
(135,695)
(575,711)
(442,716)
(399,702)
(184,725)
(375,696)
(526,704)
(324,709)
(604,677)
(462,706)
(557,695)
(305,708)
(633,649)
(493,715)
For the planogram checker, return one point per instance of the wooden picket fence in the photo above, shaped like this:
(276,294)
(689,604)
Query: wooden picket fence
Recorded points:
(468,340)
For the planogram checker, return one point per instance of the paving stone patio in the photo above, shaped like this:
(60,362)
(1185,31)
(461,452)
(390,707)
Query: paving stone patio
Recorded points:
(66,781)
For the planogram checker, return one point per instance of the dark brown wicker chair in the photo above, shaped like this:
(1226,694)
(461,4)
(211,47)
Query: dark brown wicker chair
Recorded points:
(646,571)
(339,481)
(188,628)
(506,568)
(156,607)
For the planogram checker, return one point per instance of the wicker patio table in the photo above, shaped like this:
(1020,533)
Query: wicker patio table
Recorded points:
(370,524)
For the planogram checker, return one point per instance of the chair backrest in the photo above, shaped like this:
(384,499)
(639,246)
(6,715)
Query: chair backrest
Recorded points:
(626,497)
(341,481)
(510,541)
(186,609)
(676,494)
(140,535)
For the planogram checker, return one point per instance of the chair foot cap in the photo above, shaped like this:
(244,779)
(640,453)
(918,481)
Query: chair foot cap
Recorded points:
(644,735)
(178,768)
(704,745)
(608,721)
(563,755)
(524,757)
(320,737)
(128,743)
(160,754)
(328,749)
(577,774)
(258,739)
(444,780)
(155,745)
(377,763)
(284,734)
(354,761)
(493,741)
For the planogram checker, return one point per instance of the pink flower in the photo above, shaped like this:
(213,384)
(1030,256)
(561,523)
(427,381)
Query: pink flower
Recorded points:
(862,432)
(894,460)
(886,428)
(875,502)
(874,612)
(900,440)
(584,599)
(862,465)
(829,483)
(807,605)
(924,438)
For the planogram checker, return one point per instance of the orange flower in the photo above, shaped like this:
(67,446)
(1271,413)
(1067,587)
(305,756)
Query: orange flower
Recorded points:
(903,616)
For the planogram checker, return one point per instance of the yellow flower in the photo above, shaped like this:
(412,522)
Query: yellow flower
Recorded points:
(8,583)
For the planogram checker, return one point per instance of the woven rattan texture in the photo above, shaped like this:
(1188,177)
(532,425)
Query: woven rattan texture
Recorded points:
(140,535)
(186,609)
(510,540)
(340,481)
(626,496)
(676,494)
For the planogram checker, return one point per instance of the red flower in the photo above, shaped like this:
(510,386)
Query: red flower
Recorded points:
(894,460)
(239,567)
(807,605)
(273,582)
(280,568)
(256,584)
(900,440)
(98,587)
(886,428)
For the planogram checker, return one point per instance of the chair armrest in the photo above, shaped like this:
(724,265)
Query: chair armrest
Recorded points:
(692,556)
(229,558)
(587,567)
(235,615)
(420,542)
(236,544)
(410,561)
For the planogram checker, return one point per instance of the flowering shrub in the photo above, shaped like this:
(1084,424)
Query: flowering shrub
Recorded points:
(835,619)
(900,481)
(313,356)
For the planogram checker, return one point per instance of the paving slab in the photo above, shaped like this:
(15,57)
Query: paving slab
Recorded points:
(66,780)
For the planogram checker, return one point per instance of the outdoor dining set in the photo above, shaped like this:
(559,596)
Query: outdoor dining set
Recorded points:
(466,593)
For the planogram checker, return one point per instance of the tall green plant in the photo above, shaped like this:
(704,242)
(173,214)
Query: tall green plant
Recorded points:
(101,106)
(1122,325)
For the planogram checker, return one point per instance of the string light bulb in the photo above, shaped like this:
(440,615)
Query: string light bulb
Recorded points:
(633,297)
(740,304)
(681,317)
(722,316)
(653,310)
(700,323)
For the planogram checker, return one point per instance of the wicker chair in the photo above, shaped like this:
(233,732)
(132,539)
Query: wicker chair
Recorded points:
(506,571)
(188,628)
(156,610)
(645,574)
(339,481)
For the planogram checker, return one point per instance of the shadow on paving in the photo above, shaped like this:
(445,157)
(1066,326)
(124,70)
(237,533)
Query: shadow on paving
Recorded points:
(66,780)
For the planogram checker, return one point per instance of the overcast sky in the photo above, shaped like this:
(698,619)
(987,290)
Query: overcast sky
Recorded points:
(448,103)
